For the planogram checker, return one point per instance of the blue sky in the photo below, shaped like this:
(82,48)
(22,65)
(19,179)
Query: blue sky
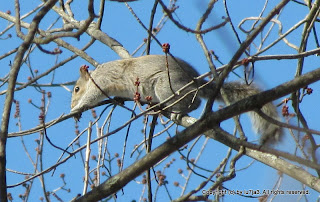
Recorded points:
(121,25)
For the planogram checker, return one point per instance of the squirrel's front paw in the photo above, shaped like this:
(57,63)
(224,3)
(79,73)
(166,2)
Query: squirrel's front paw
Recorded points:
(77,113)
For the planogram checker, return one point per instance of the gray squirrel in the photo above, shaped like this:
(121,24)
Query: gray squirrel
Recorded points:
(160,77)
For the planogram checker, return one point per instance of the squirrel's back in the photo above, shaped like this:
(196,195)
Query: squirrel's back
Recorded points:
(146,67)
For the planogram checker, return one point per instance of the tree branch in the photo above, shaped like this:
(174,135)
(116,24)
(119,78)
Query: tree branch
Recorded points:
(211,121)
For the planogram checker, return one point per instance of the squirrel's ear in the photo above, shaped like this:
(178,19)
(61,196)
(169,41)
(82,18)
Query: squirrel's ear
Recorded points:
(84,72)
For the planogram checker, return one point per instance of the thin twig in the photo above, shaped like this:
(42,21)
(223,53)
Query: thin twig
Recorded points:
(86,165)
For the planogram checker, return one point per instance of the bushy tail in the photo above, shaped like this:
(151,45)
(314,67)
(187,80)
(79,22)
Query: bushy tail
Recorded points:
(270,133)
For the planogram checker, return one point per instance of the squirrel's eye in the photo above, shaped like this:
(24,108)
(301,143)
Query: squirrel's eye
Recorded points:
(76,89)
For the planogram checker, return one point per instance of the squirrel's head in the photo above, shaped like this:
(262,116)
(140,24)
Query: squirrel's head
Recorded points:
(79,88)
